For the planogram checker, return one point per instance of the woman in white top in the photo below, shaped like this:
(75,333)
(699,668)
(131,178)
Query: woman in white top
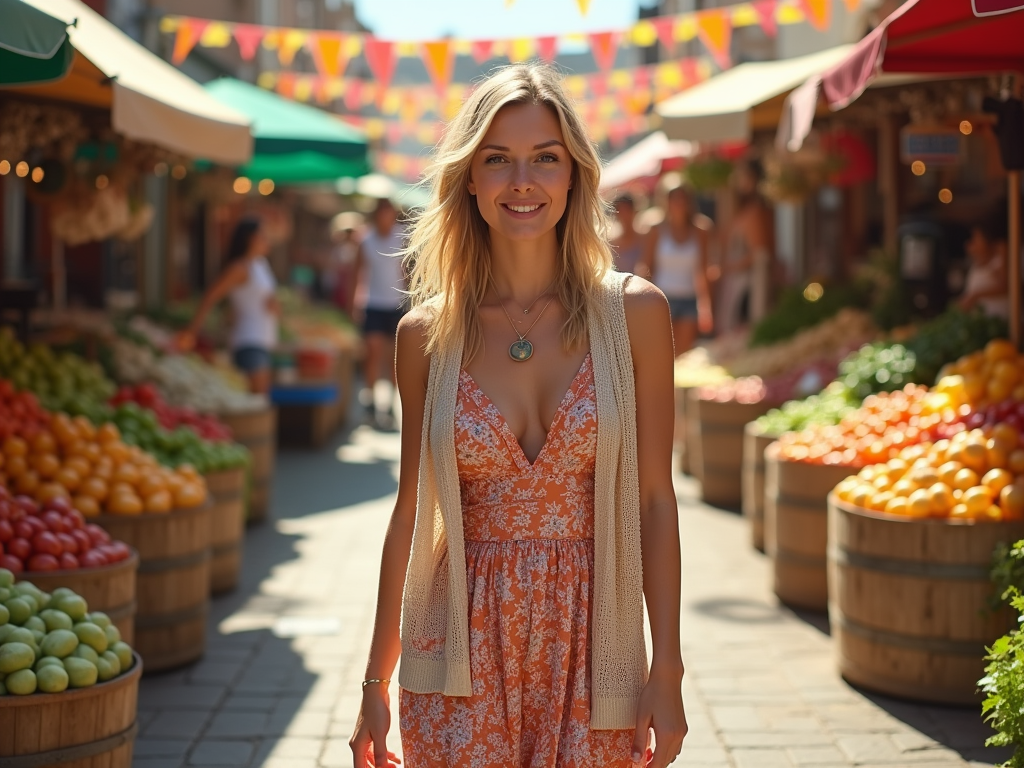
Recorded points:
(986,278)
(676,257)
(248,283)
(380,299)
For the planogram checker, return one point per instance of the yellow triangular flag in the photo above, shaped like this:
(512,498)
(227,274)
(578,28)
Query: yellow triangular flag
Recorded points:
(584,6)
(520,49)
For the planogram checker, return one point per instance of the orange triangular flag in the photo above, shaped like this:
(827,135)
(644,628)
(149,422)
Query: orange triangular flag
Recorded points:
(604,46)
(584,6)
(852,5)
(327,49)
(440,61)
(189,32)
(288,44)
(818,13)
(715,30)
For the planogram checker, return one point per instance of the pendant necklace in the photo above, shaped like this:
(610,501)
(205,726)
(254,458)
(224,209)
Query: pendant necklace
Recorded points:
(522,350)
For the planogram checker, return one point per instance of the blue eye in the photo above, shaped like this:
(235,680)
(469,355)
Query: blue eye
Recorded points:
(549,158)
(494,159)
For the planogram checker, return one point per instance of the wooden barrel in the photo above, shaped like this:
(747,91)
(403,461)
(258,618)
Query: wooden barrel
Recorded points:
(173,582)
(796,527)
(716,436)
(110,589)
(679,432)
(752,481)
(227,527)
(908,602)
(82,728)
(257,431)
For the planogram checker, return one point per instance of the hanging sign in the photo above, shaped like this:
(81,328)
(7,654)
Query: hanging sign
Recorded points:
(995,7)
(934,145)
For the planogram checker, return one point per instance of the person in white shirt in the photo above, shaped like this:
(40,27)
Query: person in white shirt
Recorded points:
(986,278)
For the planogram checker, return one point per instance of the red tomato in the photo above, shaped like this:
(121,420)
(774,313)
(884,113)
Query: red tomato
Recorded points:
(23,529)
(68,542)
(68,562)
(47,543)
(6,531)
(97,534)
(38,526)
(27,504)
(11,563)
(118,551)
(58,504)
(20,548)
(55,521)
(75,519)
(5,508)
(93,559)
(84,542)
(43,563)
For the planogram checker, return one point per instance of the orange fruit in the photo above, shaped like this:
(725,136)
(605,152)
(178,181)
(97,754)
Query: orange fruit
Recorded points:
(126,473)
(93,487)
(923,476)
(960,512)
(903,487)
(993,513)
(919,504)
(975,456)
(159,501)
(193,494)
(27,483)
(108,433)
(879,501)
(1006,436)
(68,478)
(882,482)
(1000,349)
(103,469)
(124,504)
(15,446)
(15,466)
(948,470)
(49,491)
(87,505)
(965,479)
(45,464)
(978,499)
(995,455)
(896,506)
(998,390)
(897,468)
(1011,499)
(996,479)
(117,452)
(63,429)
(1006,371)
(844,490)
(86,429)
(93,452)
(80,464)
(44,442)
(121,488)
(941,498)
(150,483)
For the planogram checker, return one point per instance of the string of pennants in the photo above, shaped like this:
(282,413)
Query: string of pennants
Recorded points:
(601,95)
(332,51)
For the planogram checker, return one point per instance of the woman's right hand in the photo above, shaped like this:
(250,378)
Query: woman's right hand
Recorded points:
(369,742)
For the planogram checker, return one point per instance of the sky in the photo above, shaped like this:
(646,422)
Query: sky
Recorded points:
(490,19)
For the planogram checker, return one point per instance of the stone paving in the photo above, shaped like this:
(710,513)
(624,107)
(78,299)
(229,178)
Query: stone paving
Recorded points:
(279,684)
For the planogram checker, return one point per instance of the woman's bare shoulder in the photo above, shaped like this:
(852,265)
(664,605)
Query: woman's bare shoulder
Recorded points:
(641,296)
(411,342)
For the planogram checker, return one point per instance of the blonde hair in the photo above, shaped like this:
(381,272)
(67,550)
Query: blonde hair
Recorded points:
(449,246)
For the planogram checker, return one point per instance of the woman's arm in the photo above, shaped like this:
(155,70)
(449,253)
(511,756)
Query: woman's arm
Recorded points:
(648,253)
(358,267)
(705,321)
(650,336)
(235,275)
(412,369)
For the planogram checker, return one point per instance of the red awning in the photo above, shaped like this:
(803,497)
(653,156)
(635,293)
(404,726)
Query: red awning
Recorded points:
(929,36)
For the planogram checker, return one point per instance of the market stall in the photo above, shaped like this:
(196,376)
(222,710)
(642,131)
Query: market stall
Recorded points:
(34,46)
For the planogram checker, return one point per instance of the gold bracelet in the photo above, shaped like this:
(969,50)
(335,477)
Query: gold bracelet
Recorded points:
(385,680)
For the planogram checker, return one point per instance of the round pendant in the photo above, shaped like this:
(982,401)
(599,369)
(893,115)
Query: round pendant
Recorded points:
(521,350)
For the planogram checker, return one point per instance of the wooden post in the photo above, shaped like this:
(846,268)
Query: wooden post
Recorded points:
(1013,257)
(888,183)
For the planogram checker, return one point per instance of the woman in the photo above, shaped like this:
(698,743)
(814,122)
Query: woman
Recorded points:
(627,247)
(536,466)
(676,255)
(986,278)
(248,283)
(749,263)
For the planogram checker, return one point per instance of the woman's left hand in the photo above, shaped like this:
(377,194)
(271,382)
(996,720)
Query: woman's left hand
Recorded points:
(660,707)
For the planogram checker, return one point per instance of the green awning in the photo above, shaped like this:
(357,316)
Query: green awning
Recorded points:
(34,46)
(294,143)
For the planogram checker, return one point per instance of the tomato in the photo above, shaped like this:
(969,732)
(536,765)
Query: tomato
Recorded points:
(43,563)
(93,559)
(117,551)
(83,541)
(61,505)
(47,543)
(27,504)
(75,518)
(19,547)
(6,531)
(97,534)
(23,529)
(68,542)
(68,562)
(12,563)
(5,507)
(55,521)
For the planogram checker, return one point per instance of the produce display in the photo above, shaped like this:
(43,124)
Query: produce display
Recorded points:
(981,378)
(94,468)
(746,391)
(974,475)
(877,431)
(52,537)
(62,381)
(695,369)
(20,413)
(175,447)
(51,642)
(827,408)
(184,381)
(877,368)
(206,425)
(801,307)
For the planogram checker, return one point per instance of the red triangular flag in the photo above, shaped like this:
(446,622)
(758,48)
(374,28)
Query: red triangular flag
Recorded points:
(665,26)
(714,27)
(765,10)
(353,95)
(818,13)
(482,50)
(440,61)
(642,79)
(598,85)
(380,57)
(248,37)
(604,46)
(547,47)
(327,49)
(189,32)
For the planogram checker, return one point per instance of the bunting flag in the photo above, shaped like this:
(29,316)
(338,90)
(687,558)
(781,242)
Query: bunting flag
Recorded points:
(440,60)
(380,57)
(765,10)
(852,5)
(547,47)
(665,27)
(216,35)
(185,39)
(604,46)
(818,13)
(482,50)
(715,32)
(520,49)
(248,37)
(584,6)
(327,50)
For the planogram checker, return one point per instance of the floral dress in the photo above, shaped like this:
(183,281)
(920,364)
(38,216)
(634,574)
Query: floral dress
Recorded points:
(529,560)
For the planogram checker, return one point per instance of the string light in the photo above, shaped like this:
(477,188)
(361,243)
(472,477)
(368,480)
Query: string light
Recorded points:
(242,185)
(918,168)
(5,167)
(966,127)
(945,196)
(813,291)
(266,186)
(102,182)
(37,175)
(160,169)
(179,172)
(21,169)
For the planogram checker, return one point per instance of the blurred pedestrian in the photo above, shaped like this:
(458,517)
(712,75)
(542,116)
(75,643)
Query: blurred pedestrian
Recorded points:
(249,285)
(628,243)
(535,449)
(749,264)
(986,278)
(676,257)
(379,296)
(337,275)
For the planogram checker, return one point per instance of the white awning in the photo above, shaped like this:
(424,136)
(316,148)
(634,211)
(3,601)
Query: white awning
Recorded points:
(152,101)
(642,160)
(720,109)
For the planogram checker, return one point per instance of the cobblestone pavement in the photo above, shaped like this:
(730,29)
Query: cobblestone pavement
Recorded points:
(279,684)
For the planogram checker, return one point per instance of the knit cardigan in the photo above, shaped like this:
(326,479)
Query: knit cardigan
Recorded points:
(435,606)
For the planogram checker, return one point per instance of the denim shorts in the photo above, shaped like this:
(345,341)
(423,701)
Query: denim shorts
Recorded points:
(251,359)
(382,321)
(683,308)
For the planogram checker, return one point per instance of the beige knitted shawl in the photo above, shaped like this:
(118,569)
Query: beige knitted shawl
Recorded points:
(435,604)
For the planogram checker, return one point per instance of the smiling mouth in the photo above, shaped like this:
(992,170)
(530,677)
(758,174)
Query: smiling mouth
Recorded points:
(522,208)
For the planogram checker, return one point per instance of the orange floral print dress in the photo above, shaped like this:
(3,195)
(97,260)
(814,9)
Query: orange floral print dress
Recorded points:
(529,560)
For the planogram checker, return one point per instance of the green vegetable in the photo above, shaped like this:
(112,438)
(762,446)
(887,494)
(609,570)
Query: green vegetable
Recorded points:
(830,407)
(1003,683)
(797,309)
